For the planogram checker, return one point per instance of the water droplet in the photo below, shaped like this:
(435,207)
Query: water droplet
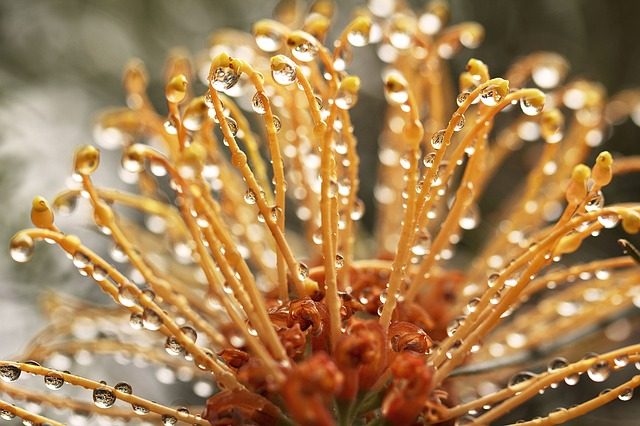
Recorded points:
(495,298)
(339,261)
(148,293)
(621,361)
(65,204)
(124,387)
(305,51)
(80,260)
(277,123)
(173,347)
(490,96)
(189,333)
(6,415)
(232,124)
(168,420)
(10,373)
(317,236)
(358,38)
(493,278)
(140,410)
(609,221)
(118,254)
(257,104)
(470,218)
(302,271)
(196,114)
(133,159)
(556,364)
(358,210)
(520,377)
(275,213)
(208,99)
(103,397)
(53,381)
(459,122)
(151,320)
(437,140)
(21,247)
(626,394)
(268,41)
(135,321)
(472,305)
(462,97)
(396,88)
(599,371)
(528,108)
(157,168)
(283,70)
(453,326)
(449,354)
(170,125)
(400,39)
(250,197)
(223,78)
(345,99)
(572,379)
(405,160)
(344,58)
(126,296)
(429,159)
(422,243)
(99,273)
(596,202)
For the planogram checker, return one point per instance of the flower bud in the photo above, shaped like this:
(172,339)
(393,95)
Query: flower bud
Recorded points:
(268,35)
(86,160)
(347,95)
(602,170)
(630,221)
(476,68)
(359,31)
(552,126)
(136,77)
(577,188)
(317,25)
(176,89)
(41,213)
(396,88)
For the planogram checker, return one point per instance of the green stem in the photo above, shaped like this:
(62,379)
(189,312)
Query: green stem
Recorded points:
(368,402)
(344,408)
(285,421)
(379,421)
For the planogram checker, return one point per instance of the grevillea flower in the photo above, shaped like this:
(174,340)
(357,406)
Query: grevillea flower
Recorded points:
(254,279)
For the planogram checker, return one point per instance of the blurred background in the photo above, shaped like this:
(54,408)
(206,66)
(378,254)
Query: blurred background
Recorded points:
(61,63)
